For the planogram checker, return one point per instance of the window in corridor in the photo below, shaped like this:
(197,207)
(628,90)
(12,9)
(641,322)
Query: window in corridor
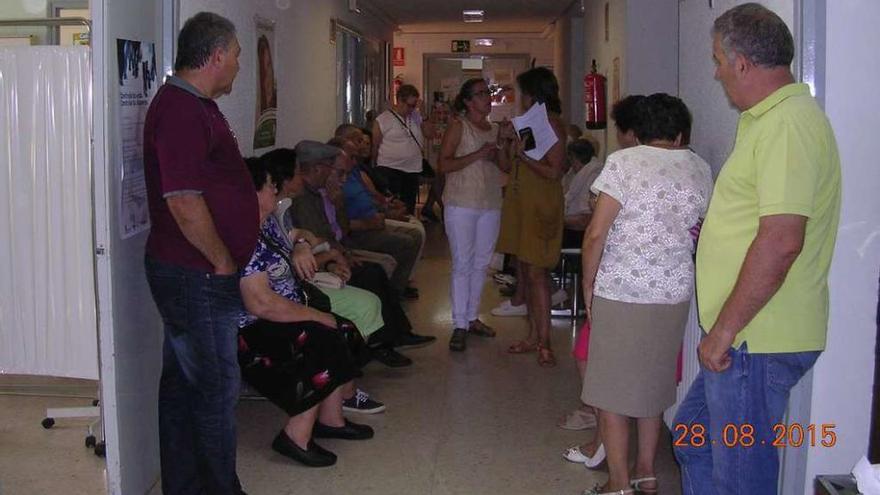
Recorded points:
(361,75)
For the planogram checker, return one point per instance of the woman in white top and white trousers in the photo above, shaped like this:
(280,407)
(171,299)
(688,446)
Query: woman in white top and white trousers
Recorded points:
(472,200)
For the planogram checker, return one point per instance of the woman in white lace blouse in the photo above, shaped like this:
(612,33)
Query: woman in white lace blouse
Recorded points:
(638,282)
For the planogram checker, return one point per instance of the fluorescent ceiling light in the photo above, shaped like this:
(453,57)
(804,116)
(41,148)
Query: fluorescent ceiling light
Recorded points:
(484,42)
(472,15)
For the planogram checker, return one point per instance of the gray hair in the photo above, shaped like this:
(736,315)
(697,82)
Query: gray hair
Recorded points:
(757,33)
(201,35)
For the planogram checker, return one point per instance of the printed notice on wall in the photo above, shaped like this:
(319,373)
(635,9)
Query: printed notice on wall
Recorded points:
(267,95)
(137,85)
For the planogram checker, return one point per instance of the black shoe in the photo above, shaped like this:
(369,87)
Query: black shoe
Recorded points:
(351,431)
(391,358)
(458,342)
(314,456)
(412,340)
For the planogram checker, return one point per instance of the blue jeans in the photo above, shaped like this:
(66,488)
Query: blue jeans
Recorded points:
(199,387)
(742,403)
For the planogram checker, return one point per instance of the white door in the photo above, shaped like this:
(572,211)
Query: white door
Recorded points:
(129,325)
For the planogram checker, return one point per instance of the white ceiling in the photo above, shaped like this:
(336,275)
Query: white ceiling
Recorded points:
(501,15)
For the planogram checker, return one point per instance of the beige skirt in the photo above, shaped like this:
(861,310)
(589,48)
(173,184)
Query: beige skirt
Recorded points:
(633,356)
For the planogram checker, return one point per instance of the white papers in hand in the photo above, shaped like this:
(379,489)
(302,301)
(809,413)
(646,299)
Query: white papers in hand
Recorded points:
(535,121)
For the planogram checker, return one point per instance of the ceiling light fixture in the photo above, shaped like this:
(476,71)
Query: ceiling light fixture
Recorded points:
(472,15)
(484,42)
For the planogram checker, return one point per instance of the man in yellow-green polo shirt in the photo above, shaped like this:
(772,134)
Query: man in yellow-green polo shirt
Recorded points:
(762,261)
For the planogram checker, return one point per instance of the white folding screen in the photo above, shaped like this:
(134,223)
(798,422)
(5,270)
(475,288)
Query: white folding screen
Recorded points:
(47,286)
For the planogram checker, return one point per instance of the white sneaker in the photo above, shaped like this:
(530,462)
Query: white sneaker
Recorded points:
(558,297)
(507,309)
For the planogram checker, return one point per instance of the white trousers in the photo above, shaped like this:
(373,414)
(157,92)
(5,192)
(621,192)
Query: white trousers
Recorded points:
(472,235)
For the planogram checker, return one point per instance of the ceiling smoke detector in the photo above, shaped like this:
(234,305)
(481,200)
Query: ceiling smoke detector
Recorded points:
(472,15)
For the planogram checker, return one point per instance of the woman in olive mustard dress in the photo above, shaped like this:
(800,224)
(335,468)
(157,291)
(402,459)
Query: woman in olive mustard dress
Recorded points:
(532,213)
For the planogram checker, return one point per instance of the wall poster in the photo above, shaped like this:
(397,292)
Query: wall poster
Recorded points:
(267,95)
(137,73)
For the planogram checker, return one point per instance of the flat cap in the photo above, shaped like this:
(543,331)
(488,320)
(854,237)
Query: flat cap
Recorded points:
(313,151)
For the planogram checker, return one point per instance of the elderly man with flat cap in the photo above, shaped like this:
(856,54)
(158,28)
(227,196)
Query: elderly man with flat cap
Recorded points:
(312,210)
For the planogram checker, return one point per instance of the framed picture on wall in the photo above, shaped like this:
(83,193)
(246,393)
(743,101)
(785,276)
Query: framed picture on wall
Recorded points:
(267,96)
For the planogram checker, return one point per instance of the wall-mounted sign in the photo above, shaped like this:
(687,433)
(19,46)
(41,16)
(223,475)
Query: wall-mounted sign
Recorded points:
(398,56)
(461,46)
(138,81)
(266,123)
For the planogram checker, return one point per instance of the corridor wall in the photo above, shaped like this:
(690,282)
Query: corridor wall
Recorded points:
(305,63)
(47,293)
(417,45)
(641,38)
(842,377)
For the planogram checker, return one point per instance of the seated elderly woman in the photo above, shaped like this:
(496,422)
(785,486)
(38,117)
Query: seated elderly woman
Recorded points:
(638,281)
(294,354)
(585,167)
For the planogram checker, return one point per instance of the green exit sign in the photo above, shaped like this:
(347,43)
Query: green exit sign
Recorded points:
(461,46)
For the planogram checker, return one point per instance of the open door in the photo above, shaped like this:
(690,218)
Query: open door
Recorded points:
(129,325)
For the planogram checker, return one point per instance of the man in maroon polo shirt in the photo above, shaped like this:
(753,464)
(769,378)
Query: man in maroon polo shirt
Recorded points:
(205,223)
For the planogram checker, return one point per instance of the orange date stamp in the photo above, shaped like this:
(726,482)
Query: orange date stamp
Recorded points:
(744,435)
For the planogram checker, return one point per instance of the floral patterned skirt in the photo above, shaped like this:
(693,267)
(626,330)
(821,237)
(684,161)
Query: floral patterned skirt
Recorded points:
(295,365)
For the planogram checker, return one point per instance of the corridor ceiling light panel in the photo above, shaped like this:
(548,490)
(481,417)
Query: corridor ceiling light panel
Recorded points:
(484,42)
(472,15)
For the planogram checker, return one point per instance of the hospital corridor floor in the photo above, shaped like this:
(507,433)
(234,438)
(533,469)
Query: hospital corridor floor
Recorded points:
(478,422)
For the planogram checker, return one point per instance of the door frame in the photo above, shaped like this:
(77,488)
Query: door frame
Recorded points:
(427,57)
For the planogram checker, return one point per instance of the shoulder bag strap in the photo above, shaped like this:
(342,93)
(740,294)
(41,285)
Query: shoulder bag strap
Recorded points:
(399,119)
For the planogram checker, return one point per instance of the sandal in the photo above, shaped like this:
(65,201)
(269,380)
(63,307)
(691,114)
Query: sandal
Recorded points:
(546,358)
(480,329)
(596,461)
(595,491)
(636,484)
(575,454)
(522,347)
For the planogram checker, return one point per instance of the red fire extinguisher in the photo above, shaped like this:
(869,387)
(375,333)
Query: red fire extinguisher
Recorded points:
(594,99)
